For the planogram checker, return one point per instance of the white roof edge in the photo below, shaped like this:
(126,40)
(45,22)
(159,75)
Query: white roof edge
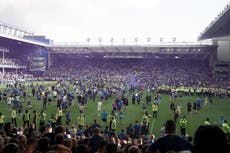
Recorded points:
(23,40)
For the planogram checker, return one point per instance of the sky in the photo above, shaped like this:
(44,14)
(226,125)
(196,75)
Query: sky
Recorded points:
(77,20)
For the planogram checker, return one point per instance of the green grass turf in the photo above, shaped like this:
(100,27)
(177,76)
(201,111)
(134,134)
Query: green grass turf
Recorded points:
(135,112)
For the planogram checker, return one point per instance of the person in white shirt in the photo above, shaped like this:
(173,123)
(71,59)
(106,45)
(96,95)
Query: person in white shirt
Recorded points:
(99,105)
(9,102)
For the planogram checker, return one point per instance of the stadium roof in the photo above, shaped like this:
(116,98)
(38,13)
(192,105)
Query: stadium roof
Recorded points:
(219,27)
(17,45)
(198,52)
(135,49)
(8,38)
(15,34)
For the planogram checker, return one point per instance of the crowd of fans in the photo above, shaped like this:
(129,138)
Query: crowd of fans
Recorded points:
(138,72)
(142,72)
(208,138)
(88,78)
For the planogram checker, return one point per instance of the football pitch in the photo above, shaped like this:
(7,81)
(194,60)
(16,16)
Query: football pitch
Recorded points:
(220,106)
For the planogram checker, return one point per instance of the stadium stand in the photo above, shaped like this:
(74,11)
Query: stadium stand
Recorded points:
(104,72)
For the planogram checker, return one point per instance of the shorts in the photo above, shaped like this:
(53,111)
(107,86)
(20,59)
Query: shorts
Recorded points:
(104,120)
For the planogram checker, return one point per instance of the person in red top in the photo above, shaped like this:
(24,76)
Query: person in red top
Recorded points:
(176,114)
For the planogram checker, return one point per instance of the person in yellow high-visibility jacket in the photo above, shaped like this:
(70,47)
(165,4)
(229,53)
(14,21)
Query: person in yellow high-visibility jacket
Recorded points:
(81,120)
(113,124)
(1,121)
(26,119)
(207,122)
(146,116)
(59,116)
(53,121)
(42,118)
(183,124)
(225,127)
(13,117)
(111,117)
(155,109)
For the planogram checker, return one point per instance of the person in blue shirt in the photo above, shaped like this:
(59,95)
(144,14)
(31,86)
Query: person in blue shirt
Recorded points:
(68,117)
(119,105)
(106,131)
(199,102)
(121,115)
(38,98)
(104,116)
(80,131)
(122,135)
(138,98)
(221,120)
(137,130)
(133,99)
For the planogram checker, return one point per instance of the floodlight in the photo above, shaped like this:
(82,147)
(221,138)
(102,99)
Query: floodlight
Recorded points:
(148,39)
(88,40)
(136,39)
(111,40)
(161,39)
(123,41)
(99,39)
(174,39)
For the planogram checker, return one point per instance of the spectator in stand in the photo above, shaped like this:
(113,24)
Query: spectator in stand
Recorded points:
(130,130)
(1,143)
(43,145)
(101,147)
(8,129)
(10,148)
(210,139)
(22,142)
(59,144)
(134,149)
(82,149)
(58,130)
(68,143)
(111,148)
(170,141)
(31,145)
(95,140)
